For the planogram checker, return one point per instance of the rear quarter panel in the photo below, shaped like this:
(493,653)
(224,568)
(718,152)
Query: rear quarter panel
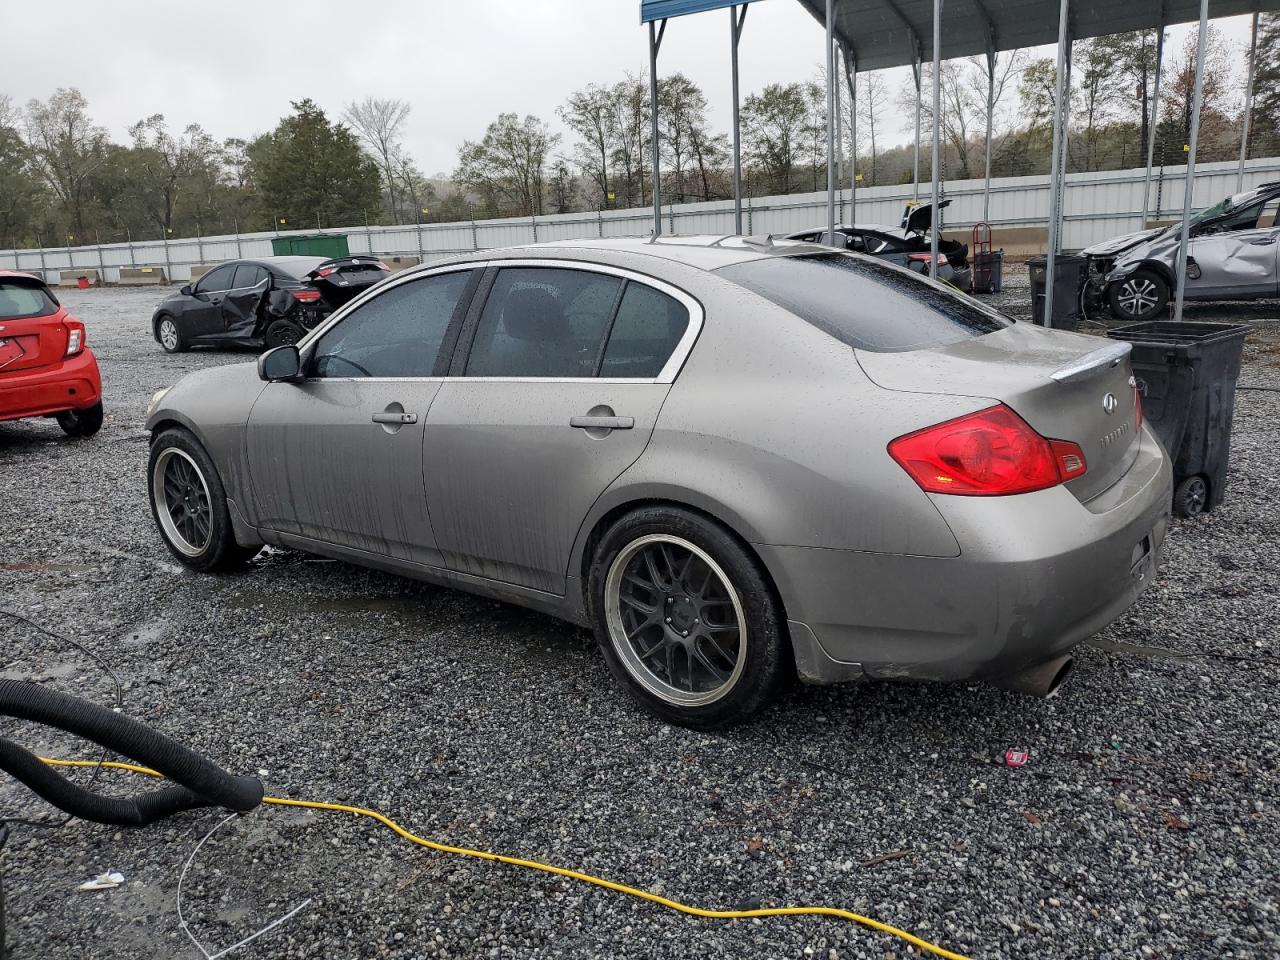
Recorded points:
(773,428)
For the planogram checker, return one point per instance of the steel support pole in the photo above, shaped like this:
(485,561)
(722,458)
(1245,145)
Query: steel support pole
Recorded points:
(735,34)
(851,80)
(991,108)
(655,41)
(937,138)
(1180,274)
(831,118)
(1248,104)
(839,136)
(915,165)
(1151,126)
(1056,171)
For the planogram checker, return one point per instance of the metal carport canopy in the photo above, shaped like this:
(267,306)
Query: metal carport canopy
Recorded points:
(893,33)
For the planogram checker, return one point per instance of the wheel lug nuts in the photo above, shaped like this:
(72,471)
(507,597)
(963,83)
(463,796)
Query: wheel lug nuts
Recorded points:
(668,619)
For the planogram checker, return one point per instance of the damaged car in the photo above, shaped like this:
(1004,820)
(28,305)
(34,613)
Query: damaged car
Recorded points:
(906,245)
(268,302)
(1233,254)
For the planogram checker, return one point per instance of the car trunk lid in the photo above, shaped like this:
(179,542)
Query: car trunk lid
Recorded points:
(343,278)
(32,333)
(1066,386)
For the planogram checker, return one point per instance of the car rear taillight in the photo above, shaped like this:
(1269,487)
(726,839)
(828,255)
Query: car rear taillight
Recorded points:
(925,258)
(990,453)
(75,338)
(383,267)
(1137,408)
(306,296)
(326,271)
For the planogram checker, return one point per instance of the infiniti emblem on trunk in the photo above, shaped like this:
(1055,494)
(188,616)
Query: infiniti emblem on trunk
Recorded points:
(1109,403)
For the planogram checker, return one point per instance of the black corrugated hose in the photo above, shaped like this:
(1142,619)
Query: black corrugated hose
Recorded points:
(200,783)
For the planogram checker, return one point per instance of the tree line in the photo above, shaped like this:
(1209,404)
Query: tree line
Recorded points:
(63,180)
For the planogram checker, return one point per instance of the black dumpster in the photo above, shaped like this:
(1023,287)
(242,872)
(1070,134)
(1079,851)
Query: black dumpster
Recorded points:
(1069,276)
(1186,375)
(988,272)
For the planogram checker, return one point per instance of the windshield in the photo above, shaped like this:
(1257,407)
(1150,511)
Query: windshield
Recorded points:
(867,303)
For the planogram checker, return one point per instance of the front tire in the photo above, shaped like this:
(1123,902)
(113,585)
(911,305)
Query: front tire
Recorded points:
(687,619)
(189,504)
(1143,295)
(170,336)
(81,423)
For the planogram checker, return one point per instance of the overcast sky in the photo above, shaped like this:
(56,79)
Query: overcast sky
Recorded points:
(234,66)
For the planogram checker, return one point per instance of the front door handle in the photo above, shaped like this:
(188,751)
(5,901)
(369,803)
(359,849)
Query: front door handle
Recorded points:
(1263,241)
(602,423)
(399,419)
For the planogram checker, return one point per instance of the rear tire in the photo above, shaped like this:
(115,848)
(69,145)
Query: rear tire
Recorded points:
(282,333)
(687,620)
(1143,295)
(170,335)
(81,423)
(189,504)
(1191,498)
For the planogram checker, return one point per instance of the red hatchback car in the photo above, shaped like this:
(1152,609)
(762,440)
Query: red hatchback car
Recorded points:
(45,368)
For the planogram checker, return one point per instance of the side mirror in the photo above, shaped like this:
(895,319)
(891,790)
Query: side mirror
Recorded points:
(185,290)
(282,364)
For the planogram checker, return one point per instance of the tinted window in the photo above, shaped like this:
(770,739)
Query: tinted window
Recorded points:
(396,334)
(543,322)
(866,303)
(24,300)
(648,327)
(878,244)
(215,280)
(248,275)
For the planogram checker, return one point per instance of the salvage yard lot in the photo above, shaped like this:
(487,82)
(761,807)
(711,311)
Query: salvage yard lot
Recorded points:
(1146,822)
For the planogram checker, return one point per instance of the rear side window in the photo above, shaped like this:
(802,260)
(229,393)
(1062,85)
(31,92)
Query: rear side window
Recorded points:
(645,333)
(865,303)
(543,322)
(24,300)
(248,275)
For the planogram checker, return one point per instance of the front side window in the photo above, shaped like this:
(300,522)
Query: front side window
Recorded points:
(645,333)
(216,280)
(543,322)
(396,334)
(868,304)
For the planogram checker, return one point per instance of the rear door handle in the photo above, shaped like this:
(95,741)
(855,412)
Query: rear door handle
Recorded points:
(602,423)
(396,418)
(1263,241)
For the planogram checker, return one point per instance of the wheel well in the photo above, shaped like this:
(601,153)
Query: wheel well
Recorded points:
(155,324)
(612,517)
(1158,268)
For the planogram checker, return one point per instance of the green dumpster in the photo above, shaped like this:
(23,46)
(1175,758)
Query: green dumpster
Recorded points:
(329,245)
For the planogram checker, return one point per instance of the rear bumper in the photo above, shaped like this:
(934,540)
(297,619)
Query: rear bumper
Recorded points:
(1037,574)
(72,384)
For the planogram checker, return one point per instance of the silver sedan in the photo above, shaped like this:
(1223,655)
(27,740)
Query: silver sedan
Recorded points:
(738,461)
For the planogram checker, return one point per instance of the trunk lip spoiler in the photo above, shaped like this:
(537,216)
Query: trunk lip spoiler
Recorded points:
(1092,364)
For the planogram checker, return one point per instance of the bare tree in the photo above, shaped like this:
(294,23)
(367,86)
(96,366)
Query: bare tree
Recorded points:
(164,165)
(378,124)
(589,113)
(873,97)
(66,148)
(508,166)
(997,78)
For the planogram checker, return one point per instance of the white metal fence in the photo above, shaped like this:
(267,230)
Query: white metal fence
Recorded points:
(1096,206)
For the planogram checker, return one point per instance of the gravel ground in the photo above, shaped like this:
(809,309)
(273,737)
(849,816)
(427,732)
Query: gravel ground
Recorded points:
(1145,825)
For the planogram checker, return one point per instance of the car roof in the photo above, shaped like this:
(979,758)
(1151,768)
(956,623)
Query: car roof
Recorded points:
(703,252)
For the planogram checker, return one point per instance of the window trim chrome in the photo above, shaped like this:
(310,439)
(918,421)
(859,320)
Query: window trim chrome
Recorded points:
(667,375)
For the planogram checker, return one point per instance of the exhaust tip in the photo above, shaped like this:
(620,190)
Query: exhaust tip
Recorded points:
(1040,681)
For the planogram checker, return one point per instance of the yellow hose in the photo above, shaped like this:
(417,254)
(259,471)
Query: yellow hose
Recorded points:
(561,871)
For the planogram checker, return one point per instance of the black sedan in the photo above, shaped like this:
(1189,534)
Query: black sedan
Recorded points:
(271,301)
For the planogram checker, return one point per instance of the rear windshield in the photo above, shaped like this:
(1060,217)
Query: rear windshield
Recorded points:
(865,303)
(24,300)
